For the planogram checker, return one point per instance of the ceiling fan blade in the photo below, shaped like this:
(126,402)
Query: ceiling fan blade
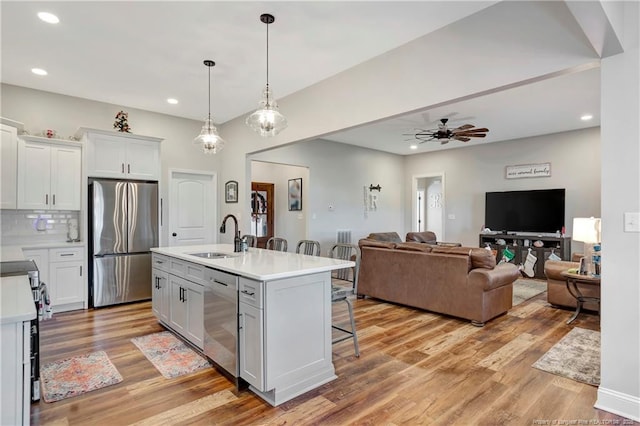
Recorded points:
(472,135)
(479,129)
(462,138)
(464,127)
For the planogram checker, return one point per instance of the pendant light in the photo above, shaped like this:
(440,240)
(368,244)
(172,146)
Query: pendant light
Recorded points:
(211,142)
(267,120)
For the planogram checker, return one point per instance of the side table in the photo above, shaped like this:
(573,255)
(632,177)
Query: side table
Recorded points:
(572,286)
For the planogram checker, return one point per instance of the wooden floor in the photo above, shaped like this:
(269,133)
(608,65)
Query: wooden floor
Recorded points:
(415,368)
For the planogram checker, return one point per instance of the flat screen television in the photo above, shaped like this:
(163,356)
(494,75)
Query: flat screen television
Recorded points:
(539,210)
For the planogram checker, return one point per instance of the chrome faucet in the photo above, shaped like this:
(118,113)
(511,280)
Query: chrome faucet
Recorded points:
(236,239)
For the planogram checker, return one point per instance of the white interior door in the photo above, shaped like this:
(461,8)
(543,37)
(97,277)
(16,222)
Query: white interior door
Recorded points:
(192,208)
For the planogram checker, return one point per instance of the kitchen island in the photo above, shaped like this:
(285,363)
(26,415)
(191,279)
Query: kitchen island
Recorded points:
(262,316)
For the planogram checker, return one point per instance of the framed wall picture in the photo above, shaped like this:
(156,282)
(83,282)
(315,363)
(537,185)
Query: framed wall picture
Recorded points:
(231,192)
(295,194)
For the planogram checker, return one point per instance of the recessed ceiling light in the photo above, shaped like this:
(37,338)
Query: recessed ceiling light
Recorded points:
(172,101)
(586,117)
(414,147)
(49,18)
(38,71)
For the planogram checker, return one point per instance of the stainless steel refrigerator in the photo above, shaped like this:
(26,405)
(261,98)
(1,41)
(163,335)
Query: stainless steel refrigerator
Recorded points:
(123,226)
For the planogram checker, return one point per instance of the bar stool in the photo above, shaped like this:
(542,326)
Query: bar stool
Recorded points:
(341,293)
(252,240)
(309,247)
(277,244)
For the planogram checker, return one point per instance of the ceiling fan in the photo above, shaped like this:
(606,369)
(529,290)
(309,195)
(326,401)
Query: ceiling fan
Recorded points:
(444,134)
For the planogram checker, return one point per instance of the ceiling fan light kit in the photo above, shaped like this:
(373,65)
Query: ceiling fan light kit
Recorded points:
(267,121)
(209,138)
(444,134)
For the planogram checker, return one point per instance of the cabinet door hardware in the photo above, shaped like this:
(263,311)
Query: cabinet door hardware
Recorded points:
(248,293)
(122,167)
(46,199)
(218,282)
(66,254)
(128,168)
(54,199)
(240,324)
(80,270)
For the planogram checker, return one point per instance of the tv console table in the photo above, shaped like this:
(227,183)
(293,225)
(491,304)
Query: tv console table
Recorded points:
(521,243)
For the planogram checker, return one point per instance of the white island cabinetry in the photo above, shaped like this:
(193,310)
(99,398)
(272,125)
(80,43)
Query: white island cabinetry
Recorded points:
(284,315)
(177,297)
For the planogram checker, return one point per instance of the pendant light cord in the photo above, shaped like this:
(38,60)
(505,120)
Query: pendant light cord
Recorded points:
(268,103)
(209,92)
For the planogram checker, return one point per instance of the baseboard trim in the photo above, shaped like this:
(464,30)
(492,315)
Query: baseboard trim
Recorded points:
(618,403)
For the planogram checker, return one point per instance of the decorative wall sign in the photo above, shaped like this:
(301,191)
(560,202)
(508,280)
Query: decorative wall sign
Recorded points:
(231,192)
(295,194)
(528,171)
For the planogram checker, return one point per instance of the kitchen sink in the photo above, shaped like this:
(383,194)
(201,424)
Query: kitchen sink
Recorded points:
(212,255)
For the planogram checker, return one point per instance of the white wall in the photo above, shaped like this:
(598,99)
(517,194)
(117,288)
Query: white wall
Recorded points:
(290,225)
(338,174)
(473,170)
(619,390)
(40,110)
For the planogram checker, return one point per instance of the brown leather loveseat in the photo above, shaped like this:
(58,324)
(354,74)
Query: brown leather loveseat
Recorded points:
(459,281)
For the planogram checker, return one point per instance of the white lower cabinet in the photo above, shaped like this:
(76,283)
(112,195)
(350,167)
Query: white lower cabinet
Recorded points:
(186,309)
(63,271)
(177,302)
(251,347)
(160,294)
(15,370)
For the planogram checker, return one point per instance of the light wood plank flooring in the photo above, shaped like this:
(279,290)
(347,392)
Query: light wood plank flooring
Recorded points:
(415,368)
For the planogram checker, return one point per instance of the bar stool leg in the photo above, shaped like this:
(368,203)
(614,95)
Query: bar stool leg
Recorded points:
(353,327)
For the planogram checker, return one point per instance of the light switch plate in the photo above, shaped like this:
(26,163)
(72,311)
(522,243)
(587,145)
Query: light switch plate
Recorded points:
(632,222)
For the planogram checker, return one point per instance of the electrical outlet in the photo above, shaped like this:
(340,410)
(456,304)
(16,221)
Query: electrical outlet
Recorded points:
(632,222)
(452,216)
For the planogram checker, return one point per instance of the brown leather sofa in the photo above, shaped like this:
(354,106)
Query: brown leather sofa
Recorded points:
(557,293)
(458,281)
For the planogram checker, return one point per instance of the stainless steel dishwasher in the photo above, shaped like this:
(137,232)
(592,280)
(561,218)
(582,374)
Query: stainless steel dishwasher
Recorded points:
(221,320)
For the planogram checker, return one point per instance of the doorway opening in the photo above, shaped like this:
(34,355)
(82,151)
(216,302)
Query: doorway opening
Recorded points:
(262,211)
(429,204)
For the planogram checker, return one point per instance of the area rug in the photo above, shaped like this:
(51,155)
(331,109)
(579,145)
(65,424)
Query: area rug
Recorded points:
(576,356)
(524,289)
(170,356)
(77,375)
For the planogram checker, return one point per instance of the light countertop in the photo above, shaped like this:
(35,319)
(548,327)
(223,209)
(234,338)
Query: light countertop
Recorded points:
(257,264)
(14,251)
(16,300)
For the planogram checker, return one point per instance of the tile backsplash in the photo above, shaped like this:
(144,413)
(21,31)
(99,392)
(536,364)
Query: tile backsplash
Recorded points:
(37,226)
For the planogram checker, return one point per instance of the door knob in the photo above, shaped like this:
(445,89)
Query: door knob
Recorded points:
(174,235)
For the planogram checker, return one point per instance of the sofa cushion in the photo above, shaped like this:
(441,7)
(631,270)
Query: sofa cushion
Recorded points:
(421,237)
(385,236)
(480,258)
(365,242)
(413,246)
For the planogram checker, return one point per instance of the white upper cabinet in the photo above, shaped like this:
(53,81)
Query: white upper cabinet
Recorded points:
(49,174)
(121,155)
(8,168)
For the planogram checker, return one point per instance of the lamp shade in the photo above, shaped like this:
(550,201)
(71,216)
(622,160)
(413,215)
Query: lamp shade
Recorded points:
(586,229)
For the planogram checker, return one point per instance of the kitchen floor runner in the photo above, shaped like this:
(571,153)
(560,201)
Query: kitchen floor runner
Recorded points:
(77,375)
(171,357)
